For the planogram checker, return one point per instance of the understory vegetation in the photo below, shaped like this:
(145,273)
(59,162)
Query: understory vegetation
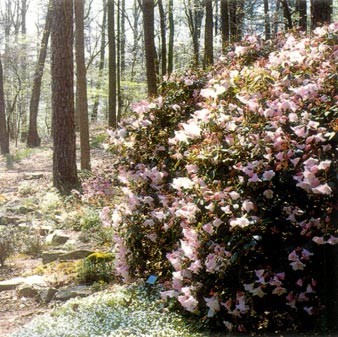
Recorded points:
(117,312)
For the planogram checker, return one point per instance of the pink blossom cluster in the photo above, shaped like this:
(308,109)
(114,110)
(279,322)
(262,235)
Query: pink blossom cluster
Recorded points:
(230,186)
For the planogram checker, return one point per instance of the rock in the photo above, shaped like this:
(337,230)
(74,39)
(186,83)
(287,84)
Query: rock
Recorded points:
(27,291)
(76,255)
(11,284)
(48,257)
(20,209)
(44,230)
(65,294)
(8,220)
(63,255)
(17,281)
(58,237)
(33,176)
(47,295)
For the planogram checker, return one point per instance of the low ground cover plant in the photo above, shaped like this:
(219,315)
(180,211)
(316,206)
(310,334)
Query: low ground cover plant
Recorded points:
(231,186)
(118,312)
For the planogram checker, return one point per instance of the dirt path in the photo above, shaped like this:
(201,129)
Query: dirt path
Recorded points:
(35,170)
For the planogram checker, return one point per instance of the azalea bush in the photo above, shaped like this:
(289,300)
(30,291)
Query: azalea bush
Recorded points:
(230,181)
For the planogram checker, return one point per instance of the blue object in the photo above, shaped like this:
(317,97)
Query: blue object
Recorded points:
(151,279)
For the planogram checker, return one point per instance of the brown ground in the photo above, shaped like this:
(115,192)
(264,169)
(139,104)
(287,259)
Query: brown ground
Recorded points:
(14,311)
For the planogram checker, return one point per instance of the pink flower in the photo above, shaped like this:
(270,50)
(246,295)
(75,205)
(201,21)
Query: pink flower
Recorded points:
(189,303)
(254,179)
(322,189)
(182,182)
(291,300)
(297,265)
(192,129)
(306,254)
(213,304)
(168,293)
(268,175)
(195,266)
(240,50)
(140,107)
(211,263)
(234,195)
(175,259)
(332,240)
(208,228)
(188,249)
(279,291)
(302,297)
(268,194)
(333,28)
(204,115)
(324,165)
(191,168)
(258,292)
(228,325)
(247,205)
(188,82)
(240,222)
(309,310)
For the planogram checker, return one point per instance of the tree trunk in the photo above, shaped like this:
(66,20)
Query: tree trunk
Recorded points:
(148,26)
(267,20)
(301,9)
(62,71)
(208,36)
(81,84)
(24,94)
(33,139)
(112,120)
(194,13)
(321,12)
(135,27)
(101,63)
(118,62)
(287,14)
(163,39)
(225,23)
(171,37)
(123,38)
(4,138)
(233,20)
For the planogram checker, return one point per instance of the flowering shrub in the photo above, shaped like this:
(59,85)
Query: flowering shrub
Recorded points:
(231,185)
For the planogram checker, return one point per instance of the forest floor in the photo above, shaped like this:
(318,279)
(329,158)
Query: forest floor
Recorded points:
(30,168)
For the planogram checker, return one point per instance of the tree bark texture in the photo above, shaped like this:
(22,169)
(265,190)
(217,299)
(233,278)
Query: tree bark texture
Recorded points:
(301,9)
(62,71)
(225,23)
(208,36)
(101,63)
(148,26)
(33,139)
(81,85)
(112,120)
(171,37)
(267,20)
(194,13)
(321,12)
(163,39)
(4,138)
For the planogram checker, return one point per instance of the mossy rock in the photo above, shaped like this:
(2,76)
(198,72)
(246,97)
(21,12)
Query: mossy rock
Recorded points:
(100,257)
